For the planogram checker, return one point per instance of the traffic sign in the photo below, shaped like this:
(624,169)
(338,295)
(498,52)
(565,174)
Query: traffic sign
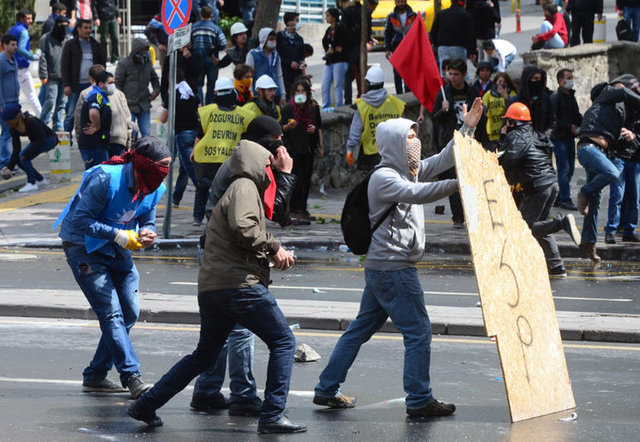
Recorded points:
(175,14)
(180,38)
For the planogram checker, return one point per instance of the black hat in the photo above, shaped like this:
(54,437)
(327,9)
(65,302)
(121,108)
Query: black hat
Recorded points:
(483,65)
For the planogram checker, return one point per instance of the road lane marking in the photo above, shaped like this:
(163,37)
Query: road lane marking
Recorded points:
(58,195)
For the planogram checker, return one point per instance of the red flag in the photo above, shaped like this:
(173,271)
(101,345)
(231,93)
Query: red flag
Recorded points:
(413,59)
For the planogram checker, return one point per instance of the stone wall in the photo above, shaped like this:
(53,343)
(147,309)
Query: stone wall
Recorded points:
(332,170)
(592,63)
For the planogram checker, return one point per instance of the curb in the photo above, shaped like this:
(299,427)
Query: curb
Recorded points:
(468,327)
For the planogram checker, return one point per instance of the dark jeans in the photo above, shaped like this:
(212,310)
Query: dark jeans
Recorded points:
(210,71)
(353,73)
(71,107)
(302,168)
(205,172)
(535,209)
(623,198)
(565,152)
(29,153)
(93,157)
(581,21)
(254,308)
(397,79)
(110,29)
(457,213)
(184,146)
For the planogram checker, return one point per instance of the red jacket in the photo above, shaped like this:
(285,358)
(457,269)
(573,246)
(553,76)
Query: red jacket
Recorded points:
(559,27)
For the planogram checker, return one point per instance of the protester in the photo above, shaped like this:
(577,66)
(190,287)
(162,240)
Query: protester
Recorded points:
(108,20)
(190,63)
(207,39)
(78,55)
(57,9)
(303,139)
(629,10)
(237,54)
(113,212)
(232,289)
(448,113)
(337,47)
(534,93)
(486,20)
(376,106)
(526,159)
(266,60)
(568,120)
(495,101)
(134,74)
(351,19)
(499,53)
(264,102)
(50,73)
(83,10)
(553,30)
(95,120)
(392,287)
(24,57)
(9,91)
(483,84)
(396,27)
(453,33)
(41,139)
(290,46)
(242,81)
(158,37)
(582,12)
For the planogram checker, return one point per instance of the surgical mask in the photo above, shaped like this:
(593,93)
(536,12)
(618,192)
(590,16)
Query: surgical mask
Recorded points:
(111,89)
(300,98)
(298,26)
(414,149)
(568,84)
(270,45)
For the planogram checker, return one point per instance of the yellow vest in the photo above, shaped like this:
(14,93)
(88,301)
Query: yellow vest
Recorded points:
(392,107)
(496,108)
(253,107)
(222,130)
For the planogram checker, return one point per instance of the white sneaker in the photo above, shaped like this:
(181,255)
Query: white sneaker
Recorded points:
(44,182)
(28,188)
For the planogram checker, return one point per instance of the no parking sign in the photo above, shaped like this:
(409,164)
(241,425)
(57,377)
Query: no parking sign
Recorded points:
(175,14)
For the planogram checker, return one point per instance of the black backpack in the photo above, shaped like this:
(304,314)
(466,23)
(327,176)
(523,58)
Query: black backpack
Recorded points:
(356,228)
(623,31)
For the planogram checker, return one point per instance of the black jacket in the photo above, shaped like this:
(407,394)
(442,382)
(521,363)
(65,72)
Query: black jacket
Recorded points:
(591,6)
(454,27)
(452,119)
(527,159)
(192,68)
(72,58)
(107,10)
(607,116)
(290,50)
(485,18)
(567,114)
(340,38)
(542,115)
(37,132)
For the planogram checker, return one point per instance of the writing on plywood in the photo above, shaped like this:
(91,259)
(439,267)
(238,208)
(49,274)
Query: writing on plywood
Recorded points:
(511,272)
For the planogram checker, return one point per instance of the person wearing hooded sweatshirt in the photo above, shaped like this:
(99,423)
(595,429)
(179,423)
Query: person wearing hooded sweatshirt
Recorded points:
(602,126)
(50,73)
(374,107)
(221,127)
(265,60)
(112,213)
(134,73)
(534,93)
(232,289)
(392,287)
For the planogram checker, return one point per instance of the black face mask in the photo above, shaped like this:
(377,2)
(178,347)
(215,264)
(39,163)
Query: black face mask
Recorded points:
(535,88)
(59,33)
(227,101)
(269,144)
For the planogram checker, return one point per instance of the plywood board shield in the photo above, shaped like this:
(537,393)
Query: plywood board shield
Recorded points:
(511,272)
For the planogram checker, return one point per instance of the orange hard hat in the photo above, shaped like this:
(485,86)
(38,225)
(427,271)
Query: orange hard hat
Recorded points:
(518,111)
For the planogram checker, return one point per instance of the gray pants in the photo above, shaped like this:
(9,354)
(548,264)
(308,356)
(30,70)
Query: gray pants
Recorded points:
(535,209)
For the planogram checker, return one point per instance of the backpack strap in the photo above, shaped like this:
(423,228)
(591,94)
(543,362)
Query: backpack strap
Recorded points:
(383,217)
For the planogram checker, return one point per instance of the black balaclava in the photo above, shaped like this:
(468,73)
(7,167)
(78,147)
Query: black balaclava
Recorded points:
(226,100)
(261,130)
(59,32)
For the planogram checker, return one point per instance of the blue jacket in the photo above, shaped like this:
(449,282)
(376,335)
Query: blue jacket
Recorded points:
(394,32)
(23,56)
(273,69)
(103,205)
(9,86)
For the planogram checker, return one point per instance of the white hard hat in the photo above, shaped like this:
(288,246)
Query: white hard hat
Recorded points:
(223,83)
(265,82)
(374,75)
(238,28)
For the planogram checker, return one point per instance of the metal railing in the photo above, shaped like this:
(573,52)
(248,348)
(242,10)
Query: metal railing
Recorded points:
(311,11)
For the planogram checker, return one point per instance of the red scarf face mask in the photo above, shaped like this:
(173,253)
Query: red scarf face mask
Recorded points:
(150,175)
(269,198)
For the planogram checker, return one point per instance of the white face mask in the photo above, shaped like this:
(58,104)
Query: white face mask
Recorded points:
(568,84)
(298,26)
(270,44)
(300,98)
(111,89)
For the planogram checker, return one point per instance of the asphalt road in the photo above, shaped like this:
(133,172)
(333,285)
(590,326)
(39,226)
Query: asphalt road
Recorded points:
(41,398)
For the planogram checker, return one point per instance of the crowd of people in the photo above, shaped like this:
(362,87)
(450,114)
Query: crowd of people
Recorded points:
(248,145)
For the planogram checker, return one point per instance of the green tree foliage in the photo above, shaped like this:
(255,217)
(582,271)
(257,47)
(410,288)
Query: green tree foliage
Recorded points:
(8,10)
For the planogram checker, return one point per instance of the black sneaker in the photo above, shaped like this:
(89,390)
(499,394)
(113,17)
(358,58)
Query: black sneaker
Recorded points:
(567,205)
(631,238)
(559,271)
(458,224)
(609,238)
(340,401)
(136,386)
(251,407)
(101,386)
(209,403)
(282,425)
(142,413)
(434,409)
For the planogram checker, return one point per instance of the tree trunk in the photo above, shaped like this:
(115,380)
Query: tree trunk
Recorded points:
(267,12)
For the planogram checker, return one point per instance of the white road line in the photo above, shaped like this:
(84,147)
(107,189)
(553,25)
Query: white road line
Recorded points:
(350,289)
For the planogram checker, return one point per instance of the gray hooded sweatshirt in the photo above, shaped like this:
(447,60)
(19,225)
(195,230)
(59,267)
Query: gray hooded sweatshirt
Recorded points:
(374,98)
(399,241)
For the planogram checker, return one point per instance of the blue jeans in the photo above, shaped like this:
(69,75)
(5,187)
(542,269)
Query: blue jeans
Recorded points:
(565,152)
(600,173)
(254,308)
(623,198)
(70,108)
(632,15)
(29,153)
(239,348)
(387,294)
(333,73)
(110,284)
(53,104)
(6,143)
(144,122)
(211,73)
(92,157)
(184,145)
(554,42)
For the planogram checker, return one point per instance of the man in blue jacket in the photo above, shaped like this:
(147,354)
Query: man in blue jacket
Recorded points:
(9,92)
(112,213)
(24,57)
